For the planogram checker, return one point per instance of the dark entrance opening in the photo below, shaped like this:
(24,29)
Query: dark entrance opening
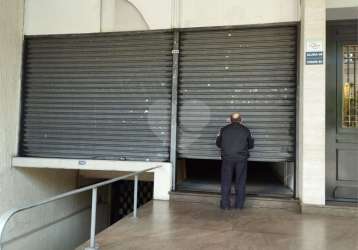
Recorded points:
(268,179)
(122,193)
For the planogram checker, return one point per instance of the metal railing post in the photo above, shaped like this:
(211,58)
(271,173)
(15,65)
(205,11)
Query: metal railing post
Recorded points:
(93,221)
(174,105)
(4,218)
(135,199)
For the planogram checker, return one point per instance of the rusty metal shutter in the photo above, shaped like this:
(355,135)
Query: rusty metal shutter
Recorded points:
(250,70)
(97,96)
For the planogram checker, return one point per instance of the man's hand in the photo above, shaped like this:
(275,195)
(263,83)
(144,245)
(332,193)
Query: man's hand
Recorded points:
(218,139)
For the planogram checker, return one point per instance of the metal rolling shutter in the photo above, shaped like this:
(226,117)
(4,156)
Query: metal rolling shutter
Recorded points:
(98,96)
(251,70)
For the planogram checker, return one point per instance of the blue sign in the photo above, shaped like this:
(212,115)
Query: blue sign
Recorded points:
(314,58)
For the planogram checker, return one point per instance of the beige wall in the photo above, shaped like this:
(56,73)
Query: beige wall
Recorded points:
(341,3)
(312,107)
(82,16)
(62,16)
(61,225)
(236,12)
(121,15)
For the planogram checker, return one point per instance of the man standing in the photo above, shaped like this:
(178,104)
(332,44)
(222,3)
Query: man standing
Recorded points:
(235,141)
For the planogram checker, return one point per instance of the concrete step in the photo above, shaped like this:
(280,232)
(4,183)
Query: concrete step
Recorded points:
(257,202)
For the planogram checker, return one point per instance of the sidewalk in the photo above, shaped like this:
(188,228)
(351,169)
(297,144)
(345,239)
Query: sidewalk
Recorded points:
(181,225)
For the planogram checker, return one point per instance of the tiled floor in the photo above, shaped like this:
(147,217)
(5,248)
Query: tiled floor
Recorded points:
(165,225)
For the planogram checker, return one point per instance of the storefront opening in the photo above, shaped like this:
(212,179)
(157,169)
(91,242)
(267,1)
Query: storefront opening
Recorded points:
(264,178)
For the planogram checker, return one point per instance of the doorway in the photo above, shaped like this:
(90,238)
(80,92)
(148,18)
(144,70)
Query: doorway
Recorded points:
(342,111)
(264,179)
(251,70)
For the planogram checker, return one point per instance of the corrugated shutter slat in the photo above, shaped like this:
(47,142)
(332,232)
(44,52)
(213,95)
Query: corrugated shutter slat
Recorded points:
(251,70)
(98,96)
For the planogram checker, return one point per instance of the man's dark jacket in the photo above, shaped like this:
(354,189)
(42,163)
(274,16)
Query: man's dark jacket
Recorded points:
(235,141)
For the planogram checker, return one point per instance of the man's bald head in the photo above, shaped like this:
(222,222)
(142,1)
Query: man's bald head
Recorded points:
(235,117)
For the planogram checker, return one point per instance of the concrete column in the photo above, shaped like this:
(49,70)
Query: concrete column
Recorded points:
(311,139)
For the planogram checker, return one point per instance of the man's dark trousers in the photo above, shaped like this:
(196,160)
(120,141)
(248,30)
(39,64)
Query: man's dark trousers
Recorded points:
(228,169)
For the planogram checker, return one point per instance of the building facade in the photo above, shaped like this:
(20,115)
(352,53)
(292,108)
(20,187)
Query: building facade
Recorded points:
(118,85)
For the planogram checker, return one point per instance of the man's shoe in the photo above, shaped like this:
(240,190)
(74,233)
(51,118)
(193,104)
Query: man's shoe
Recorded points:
(225,205)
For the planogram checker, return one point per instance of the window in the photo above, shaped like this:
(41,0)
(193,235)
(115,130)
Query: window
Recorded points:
(350,87)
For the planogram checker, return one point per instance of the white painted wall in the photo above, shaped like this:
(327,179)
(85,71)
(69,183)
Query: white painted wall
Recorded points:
(61,225)
(341,3)
(162,175)
(157,13)
(236,12)
(121,15)
(83,16)
(312,108)
(62,16)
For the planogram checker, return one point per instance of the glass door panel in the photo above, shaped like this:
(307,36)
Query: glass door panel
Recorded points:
(350,87)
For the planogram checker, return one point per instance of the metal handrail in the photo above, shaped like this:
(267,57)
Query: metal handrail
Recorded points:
(4,218)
